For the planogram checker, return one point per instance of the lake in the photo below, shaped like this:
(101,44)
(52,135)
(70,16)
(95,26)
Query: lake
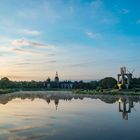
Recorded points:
(42,116)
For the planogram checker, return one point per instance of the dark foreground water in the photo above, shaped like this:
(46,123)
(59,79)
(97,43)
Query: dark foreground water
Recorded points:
(39,117)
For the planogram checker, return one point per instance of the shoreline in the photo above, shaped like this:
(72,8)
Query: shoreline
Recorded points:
(63,95)
(72,92)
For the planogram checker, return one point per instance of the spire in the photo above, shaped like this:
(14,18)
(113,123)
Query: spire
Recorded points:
(56,78)
(56,74)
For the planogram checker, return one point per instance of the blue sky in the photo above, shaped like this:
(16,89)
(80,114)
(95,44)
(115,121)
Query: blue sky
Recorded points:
(81,39)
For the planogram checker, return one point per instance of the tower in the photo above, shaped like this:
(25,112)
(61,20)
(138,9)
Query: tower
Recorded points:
(124,78)
(56,80)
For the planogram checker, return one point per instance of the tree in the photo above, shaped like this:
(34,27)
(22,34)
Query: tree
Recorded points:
(94,84)
(79,85)
(5,83)
(108,82)
(135,83)
(48,80)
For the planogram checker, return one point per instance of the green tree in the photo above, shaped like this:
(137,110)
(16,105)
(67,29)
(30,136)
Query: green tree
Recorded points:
(108,82)
(94,84)
(5,83)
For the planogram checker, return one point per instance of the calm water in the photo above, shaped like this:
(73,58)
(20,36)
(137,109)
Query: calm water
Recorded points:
(38,117)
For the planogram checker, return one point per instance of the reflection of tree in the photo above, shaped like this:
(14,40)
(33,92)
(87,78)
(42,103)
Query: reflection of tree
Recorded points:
(109,100)
(124,101)
(4,99)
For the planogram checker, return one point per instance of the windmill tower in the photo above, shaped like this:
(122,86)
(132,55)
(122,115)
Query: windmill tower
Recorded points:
(125,77)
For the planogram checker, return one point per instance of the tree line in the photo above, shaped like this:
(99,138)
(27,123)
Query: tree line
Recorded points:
(106,83)
(6,83)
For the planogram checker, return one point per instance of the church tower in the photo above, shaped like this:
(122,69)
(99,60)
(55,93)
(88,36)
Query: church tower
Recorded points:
(56,79)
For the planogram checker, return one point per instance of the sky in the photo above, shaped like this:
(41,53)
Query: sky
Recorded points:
(80,39)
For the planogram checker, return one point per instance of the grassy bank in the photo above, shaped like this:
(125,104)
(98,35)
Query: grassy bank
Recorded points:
(106,92)
(43,89)
(4,91)
(76,91)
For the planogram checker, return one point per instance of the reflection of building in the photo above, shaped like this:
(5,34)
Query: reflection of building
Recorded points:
(56,102)
(58,84)
(48,100)
(124,78)
(125,106)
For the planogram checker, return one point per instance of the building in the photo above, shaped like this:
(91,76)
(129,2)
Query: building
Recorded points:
(66,85)
(58,84)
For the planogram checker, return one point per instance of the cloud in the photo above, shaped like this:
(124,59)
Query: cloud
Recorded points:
(97,4)
(28,13)
(138,21)
(109,20)
(21,51)
(4,39)
(31,44)
(77,65)
(52,61)
(125,11)
(93,35)
(30,32)
(24,63)
(81,64)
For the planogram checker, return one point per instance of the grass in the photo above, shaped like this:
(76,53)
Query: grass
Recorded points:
(43,89)
(77,91)
(10,90)
(4,91)
(106,92)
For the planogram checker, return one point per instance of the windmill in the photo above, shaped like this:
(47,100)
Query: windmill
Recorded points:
(131,73)
(124,78)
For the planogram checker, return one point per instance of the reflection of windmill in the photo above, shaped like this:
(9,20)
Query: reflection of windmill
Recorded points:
(125,106)
(133,106)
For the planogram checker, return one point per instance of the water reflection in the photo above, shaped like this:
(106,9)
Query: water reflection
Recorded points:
(125,106)
(56,101)
(125,103)
(53,116)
